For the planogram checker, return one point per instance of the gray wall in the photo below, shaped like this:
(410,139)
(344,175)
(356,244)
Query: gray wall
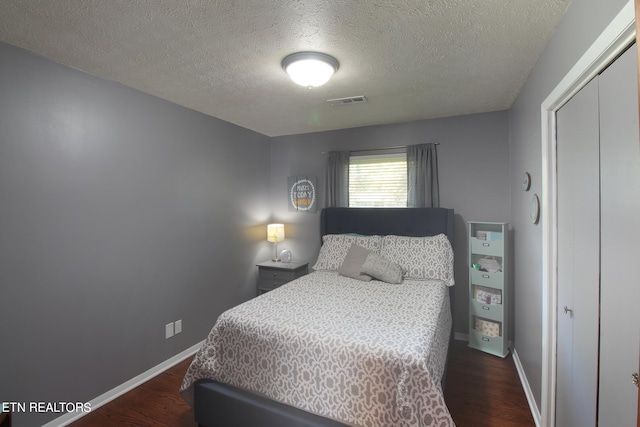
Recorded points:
(119,213)
(581,25)
(473,160)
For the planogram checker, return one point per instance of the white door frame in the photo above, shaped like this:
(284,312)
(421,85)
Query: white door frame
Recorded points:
(614,40)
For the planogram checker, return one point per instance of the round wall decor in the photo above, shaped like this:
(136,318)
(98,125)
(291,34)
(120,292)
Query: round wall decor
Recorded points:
(534,209)
(526,182)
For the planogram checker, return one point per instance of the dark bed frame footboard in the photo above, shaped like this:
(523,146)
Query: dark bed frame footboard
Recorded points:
(221,405)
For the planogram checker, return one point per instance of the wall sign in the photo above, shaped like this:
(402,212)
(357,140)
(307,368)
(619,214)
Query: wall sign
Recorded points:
(302,193)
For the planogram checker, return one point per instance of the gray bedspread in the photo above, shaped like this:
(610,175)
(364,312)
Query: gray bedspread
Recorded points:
(364,353)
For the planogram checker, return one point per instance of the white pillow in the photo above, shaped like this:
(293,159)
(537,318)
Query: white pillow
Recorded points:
(421,257)
(335,247)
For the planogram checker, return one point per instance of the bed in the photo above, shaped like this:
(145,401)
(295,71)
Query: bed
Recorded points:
(336,348)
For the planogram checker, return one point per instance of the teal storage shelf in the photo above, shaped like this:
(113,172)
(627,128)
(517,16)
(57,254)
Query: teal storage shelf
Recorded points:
(489,289)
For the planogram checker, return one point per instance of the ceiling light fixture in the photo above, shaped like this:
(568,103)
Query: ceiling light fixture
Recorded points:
(310,69)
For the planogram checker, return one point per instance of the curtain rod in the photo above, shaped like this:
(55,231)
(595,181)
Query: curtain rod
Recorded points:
(377,149)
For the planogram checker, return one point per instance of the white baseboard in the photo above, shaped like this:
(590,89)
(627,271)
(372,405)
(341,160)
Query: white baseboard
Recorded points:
(118,391)
(537,418)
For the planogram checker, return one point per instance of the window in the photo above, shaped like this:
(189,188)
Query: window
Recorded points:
(378,180)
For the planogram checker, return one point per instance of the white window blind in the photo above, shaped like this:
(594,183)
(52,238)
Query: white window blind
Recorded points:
(378,180)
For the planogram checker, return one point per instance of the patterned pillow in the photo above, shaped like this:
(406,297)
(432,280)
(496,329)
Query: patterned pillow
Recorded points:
(421,257)
(382,269)
(335,247)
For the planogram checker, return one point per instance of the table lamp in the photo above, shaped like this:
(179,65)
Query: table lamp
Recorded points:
(275,234)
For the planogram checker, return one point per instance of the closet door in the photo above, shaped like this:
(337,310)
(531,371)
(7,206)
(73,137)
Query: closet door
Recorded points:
(620,241)
(598,156)
(578,259)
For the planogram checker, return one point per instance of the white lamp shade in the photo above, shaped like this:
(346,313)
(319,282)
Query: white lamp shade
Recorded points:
(310,69)
(275,232)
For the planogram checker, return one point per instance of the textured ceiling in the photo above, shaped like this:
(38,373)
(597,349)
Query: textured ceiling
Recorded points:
(412,59)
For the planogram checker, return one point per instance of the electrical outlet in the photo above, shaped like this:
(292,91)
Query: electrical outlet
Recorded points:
(168,331)
(178,326)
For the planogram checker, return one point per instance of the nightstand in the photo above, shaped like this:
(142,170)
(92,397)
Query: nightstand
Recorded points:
(272,274)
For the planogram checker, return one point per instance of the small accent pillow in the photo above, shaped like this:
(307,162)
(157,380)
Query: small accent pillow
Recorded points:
(352,264)
(382,269)
(335,247)
(422,257)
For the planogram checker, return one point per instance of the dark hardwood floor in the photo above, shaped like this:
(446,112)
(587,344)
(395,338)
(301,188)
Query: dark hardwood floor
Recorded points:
(154,403)
(481,391)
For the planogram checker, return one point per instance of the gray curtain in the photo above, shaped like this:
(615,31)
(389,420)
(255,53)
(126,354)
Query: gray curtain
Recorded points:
(422,176)
(338,179)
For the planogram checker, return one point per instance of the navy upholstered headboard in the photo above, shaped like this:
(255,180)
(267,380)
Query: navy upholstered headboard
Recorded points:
(382,221)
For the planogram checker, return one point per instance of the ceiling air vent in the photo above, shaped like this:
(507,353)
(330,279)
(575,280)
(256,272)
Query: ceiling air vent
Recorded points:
(347,101)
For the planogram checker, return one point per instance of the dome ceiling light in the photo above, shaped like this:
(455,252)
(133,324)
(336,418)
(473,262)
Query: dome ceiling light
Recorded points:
(310,69)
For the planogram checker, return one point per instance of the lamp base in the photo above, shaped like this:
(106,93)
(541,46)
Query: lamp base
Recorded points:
(275,254)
